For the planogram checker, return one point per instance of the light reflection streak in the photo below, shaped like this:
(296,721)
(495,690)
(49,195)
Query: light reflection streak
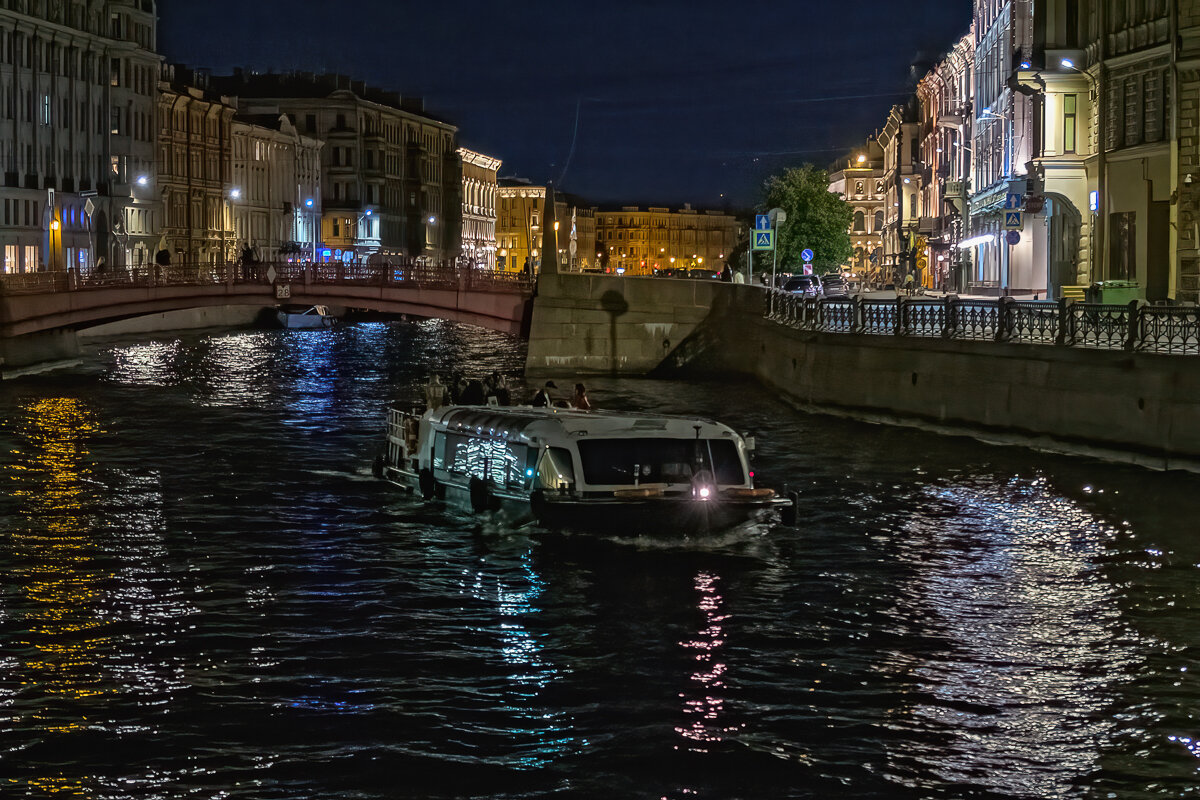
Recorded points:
(63,677)
(147,364)
(705,704)
(54,586)
(1034,636)
(540,736)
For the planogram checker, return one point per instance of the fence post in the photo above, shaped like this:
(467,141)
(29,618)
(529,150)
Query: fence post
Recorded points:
(1064,313)
(950,323)
(1135,320)
(1004,318)
(901,321)
(856,322)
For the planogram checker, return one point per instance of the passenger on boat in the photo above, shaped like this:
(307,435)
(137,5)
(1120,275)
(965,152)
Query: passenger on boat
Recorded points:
(544,397)
(473,394)
(495,386)
(435,393)
(580,400)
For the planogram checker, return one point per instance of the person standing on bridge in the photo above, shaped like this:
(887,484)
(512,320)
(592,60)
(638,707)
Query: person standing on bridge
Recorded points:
(727,273)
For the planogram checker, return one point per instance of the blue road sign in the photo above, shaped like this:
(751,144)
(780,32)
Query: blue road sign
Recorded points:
(764,240)
(762,222)
(806,256)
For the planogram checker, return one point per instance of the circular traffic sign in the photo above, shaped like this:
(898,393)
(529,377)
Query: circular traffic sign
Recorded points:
(806,255)
(1013,237)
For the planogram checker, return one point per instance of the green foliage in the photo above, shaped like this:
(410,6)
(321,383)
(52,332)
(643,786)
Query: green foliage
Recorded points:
(816,219)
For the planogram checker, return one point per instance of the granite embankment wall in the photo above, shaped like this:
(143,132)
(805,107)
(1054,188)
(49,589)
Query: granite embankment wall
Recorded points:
(1134,407)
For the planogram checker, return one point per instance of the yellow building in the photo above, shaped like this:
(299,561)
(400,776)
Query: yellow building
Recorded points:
(521,215)
(633,241)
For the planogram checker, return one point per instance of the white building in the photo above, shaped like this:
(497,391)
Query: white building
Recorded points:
(1003,152)
(479,192)
(276,189)
(78,105)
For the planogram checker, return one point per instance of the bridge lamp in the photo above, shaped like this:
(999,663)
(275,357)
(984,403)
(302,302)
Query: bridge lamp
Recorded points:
(556,226)
(55,225)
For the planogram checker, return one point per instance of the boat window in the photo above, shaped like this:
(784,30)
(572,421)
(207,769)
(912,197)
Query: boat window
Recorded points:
(555,470)
(727,465)
(490,459)
(613,462)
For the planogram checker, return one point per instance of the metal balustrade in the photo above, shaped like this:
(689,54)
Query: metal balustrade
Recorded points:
(1132,327)
(456,275)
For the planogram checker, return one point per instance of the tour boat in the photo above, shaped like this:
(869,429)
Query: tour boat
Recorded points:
(624,473)
(315,317)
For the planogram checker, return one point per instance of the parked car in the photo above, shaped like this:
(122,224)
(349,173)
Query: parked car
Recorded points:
(807,285)
(703,275)
(834,286)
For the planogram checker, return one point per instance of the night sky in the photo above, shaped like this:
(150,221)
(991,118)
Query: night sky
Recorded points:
(658,101)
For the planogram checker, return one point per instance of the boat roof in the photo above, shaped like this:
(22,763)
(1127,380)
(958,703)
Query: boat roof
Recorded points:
(529,423)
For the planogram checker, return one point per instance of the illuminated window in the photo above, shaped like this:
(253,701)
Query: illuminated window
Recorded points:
(1069,102)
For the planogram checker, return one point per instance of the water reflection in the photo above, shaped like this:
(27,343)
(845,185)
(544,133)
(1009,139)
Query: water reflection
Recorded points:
(704,704)
(538,733)
(51,593)
(1007,579)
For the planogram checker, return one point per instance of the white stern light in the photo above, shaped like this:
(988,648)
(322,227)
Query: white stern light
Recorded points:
(704,492)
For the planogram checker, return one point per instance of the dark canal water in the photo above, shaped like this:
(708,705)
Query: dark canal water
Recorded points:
(204,594)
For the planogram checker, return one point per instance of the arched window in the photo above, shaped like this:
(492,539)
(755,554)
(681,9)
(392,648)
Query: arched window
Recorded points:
(860,222)
(878,221)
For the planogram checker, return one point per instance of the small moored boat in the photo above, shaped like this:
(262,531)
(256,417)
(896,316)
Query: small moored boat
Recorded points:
(314,317)
(618,473)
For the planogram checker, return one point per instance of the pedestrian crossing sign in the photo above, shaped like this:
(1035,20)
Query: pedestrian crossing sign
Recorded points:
(1013,221)
(764,240)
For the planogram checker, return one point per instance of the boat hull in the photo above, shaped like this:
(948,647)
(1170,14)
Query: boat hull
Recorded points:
(304,321)
(657,516)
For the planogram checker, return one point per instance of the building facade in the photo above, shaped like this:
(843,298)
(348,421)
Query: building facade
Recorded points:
(945,97)
(860,182)
(1003,152)
(77,85)
(194,161)
(391,175)
(276,190)
(900,142)
(479,207)
(521,217)
(636,241)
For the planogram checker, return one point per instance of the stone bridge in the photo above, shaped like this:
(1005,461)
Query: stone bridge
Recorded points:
(41,312)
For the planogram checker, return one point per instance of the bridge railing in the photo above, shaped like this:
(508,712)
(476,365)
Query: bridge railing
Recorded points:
(457,275)
(1135,326)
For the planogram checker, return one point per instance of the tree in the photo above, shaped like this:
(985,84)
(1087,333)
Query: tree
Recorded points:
(817,219)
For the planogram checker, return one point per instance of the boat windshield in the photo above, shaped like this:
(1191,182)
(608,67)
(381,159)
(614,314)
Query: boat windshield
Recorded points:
(616,462)
(555,470)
